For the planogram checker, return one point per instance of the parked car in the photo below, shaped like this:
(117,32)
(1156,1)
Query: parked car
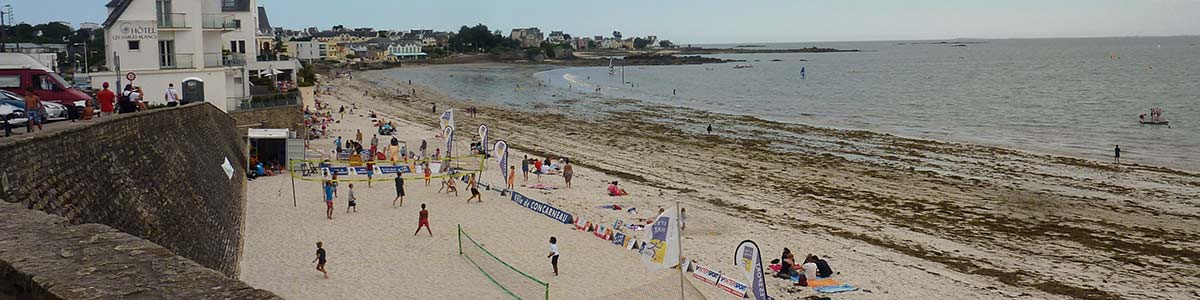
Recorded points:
(12,115)
(20,71)
(54,111)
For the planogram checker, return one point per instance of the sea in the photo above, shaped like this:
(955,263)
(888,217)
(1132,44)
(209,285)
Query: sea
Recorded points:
(1073,96)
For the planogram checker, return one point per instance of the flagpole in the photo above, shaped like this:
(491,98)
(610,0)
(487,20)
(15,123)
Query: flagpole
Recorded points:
(679,241)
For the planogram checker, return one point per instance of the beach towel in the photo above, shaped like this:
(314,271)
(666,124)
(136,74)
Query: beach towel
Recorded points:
(541,186)
(815,283)
(836,289)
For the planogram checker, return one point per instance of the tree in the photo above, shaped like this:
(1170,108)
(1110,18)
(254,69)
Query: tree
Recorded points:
(308,77)
(666,44)
(479,38)
(640,43)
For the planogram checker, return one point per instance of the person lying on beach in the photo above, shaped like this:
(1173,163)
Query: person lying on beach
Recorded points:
(613,190)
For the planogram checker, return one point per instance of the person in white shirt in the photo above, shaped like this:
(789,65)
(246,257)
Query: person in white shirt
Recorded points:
(810,267)
(171,95)
(554,254)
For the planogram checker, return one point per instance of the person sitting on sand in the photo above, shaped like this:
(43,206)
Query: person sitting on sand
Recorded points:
(823,269)
(809,267)
(786,261)
(613,190)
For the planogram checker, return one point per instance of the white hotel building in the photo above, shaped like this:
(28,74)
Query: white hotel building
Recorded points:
(209,49)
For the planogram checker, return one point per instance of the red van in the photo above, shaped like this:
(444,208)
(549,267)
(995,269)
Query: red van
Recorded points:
(18,71)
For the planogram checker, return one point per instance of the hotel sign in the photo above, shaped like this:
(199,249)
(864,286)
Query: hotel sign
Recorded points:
(135,30)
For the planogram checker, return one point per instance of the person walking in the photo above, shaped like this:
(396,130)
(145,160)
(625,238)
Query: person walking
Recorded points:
(320,260)
(125,102)
(171,96)
(33,110)
(374,144)
(709,128)
(399,190)
(474,186)
(1117,154)
(423,221)
(553,254)
(358,135)
(106,98)
(568,172)
(351,203)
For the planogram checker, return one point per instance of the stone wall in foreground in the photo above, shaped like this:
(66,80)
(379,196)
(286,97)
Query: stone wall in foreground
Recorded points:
(44,256)
(155,175)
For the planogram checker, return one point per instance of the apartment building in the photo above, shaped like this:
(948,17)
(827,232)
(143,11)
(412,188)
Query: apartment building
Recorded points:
(205,48)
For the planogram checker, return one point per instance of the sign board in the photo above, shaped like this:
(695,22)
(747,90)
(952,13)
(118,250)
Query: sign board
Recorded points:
(545,209)
(619,239)
(707,275)
(130,76)
(134,30)
(341,171)
(733,286)
(393,169)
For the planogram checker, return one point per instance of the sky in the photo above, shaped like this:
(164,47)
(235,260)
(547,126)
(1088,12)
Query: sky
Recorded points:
(709,21)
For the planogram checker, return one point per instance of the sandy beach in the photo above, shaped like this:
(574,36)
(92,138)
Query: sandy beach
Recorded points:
(899,218)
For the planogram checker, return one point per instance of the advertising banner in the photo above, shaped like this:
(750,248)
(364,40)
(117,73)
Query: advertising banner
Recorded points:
(483,140)
(661,249)
(732,286)
(502,150)
(749,263)
(707,275)
(542,208)
(394,169)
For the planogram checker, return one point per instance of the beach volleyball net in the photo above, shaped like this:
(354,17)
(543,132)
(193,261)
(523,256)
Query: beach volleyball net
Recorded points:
(354,169)
(512,281)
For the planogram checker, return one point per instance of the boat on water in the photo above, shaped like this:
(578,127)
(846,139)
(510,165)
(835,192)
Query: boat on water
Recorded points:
(1156,118)
(743,66)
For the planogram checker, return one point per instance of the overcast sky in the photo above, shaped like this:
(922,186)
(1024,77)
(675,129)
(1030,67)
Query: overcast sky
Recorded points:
(709,21)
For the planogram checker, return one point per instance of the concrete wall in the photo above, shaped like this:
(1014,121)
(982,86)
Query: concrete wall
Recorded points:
(43,256)
(156,175)
(290,116)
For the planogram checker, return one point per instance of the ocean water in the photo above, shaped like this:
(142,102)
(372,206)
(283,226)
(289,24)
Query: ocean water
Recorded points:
(1076,97)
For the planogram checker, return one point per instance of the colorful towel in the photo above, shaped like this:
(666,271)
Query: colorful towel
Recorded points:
(815,283)
(836,289)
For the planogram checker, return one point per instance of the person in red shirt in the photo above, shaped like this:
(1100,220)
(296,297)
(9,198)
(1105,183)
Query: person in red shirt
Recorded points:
(106,98)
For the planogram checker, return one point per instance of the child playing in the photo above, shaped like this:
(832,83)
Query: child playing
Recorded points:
(554,254)
(352,198)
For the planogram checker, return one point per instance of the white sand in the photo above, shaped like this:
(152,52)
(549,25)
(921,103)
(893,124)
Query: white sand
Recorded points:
(374,255)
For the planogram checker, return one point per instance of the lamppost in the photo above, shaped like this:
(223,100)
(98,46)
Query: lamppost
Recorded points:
(6,10)
(87,68)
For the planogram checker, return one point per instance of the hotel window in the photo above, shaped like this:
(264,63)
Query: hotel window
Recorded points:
(135,45)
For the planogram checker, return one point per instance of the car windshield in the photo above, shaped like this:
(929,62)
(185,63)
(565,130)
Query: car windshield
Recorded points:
(59,80)
(6,95)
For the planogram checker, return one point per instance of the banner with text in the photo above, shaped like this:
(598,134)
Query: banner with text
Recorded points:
(543,208)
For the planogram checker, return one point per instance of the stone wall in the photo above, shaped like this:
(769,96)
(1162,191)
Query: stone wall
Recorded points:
(43,256)
(290,116)
(155,175)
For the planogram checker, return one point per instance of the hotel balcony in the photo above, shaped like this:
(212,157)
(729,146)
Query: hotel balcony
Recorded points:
(172,21)
(175,61)
(216,60)
(219,22)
